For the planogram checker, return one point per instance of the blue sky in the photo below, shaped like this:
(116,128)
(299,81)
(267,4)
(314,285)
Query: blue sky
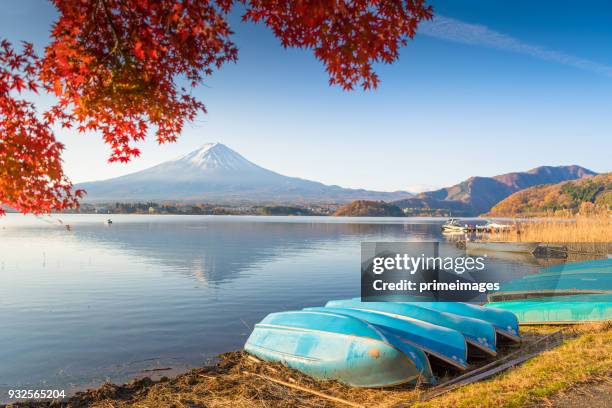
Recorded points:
(488,87)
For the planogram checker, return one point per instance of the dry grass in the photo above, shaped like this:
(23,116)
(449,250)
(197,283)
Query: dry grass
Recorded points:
(580,229)
(233,385)
(585,357)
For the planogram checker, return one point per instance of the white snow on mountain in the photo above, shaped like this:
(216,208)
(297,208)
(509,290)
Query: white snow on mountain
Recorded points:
(217,156)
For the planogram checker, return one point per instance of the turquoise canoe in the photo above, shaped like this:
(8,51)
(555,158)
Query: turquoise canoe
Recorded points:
(334,347)
(587,266)
(445,344)
(505,323)
(559,309)
(570,273)
(478,333)
(555,284)
(579,276)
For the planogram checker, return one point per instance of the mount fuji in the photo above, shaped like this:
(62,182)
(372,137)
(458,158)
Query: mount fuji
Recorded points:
(216,173)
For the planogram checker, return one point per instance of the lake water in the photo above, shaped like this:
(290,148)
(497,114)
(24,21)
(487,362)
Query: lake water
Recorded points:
(110,302)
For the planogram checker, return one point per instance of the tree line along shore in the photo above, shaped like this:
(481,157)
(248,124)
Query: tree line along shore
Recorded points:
(587,197)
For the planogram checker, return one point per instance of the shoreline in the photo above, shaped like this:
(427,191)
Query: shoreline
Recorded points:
(239,380)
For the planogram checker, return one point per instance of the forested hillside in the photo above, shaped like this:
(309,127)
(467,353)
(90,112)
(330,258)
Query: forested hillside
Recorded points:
(588,195)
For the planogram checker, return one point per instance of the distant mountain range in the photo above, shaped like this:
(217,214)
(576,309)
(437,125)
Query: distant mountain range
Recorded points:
(477,195)
(216,173)
(590,195)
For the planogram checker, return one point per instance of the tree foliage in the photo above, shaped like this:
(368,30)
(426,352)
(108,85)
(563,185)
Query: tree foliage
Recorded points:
(587,195)
(365,208)
(31,174)
(125,68)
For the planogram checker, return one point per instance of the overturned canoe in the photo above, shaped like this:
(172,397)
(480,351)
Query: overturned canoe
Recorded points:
(553,284)
(596,278)
(559,309)
(334,346)
(505,323)
(478,333)
(594,265)
(445,344)
(575,273)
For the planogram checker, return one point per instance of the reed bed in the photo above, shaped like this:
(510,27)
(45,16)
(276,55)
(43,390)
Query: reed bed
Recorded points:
(559,230)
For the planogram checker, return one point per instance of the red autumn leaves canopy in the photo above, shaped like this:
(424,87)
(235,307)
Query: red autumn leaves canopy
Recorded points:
(116,67)
(31,175)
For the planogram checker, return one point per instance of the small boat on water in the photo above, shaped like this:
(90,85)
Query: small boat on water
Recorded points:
(516,247)
(335,346)
(492,226)
(445,344)
(478,333)
(559,309)
(453,225)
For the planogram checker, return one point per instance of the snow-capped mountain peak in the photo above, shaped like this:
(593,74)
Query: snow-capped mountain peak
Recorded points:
(216,156)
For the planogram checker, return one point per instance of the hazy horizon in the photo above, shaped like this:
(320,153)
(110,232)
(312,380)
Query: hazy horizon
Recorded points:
(417,190)
(486,88)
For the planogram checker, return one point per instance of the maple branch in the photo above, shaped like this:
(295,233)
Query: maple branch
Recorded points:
(110,22)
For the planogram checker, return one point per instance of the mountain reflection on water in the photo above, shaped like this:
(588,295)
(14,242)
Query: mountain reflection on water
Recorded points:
(215,252)
(105,302)
(217,249)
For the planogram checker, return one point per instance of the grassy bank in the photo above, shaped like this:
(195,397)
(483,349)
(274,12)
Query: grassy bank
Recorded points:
(580,229)
(579,362)
(585,357)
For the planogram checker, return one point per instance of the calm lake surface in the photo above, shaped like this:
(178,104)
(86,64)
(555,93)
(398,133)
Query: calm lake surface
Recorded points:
(110,302)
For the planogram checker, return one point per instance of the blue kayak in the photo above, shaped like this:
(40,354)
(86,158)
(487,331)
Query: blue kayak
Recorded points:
(336,347)
(506,323)
(478,333)
(445,344)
